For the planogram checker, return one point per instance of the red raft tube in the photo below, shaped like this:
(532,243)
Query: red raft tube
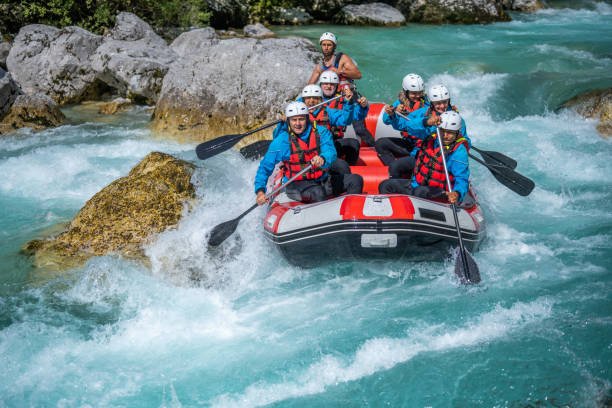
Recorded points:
(370,225)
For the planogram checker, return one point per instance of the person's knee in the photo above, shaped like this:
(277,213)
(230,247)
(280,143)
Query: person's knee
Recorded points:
(386,187)
(314,194)
(353,183)
(340,166)
(381,145)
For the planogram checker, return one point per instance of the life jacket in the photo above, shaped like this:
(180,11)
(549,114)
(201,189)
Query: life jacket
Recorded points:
(302,153)
(322,118)
(344,81)
(410,107)
(429,168)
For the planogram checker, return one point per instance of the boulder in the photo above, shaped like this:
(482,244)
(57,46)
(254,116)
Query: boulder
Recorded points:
(5,48)
(282,15)
(9,91)
(236,84)
(133,59)
(194,41)
(117,105)
(55,62)
(522,5)
(34,111)
(453,11)
(370,14)
(595,105)
(258,31)
(229,33)
(123,216)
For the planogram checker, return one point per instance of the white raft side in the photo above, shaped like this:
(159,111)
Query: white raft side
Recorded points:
(465,220)
(310,215)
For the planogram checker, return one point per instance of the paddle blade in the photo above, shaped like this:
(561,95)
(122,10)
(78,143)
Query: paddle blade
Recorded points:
(255,151)
(468,276)
(496,158)
(513,180)
(216,146)
(222,231)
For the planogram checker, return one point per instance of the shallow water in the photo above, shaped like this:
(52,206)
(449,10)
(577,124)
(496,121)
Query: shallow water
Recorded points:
(241,327)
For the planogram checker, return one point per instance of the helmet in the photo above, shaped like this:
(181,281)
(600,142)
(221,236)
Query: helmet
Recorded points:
(329,77)
(413,82)
(450,120)
(328,36)
(295,109)
(438,93)
(312,90)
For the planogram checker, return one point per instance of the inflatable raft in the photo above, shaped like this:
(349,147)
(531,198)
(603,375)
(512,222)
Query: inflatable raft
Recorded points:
(370,225)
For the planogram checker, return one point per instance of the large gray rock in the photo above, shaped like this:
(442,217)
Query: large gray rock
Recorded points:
(258,31)
(453,11)
(370,14)
(9,91)
(54,62)
(522,5)
(282,15)
(133,59)
(5,48)
(236,84)
(194,41)
(34,111)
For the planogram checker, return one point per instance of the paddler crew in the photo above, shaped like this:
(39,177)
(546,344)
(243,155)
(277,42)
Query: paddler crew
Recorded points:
(410,99)
(346,147)
(429,180)
(302,143)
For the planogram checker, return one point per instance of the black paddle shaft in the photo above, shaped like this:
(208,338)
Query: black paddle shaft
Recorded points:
(509,178)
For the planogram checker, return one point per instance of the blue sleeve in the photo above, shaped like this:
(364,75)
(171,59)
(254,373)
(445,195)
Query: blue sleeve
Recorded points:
(361,113)
(459,167)
(281,127)
(387,118)
(277,151)
(328,151)
(415,125)
(340,117)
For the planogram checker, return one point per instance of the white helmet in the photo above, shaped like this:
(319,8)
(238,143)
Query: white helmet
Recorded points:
(312,90)
(438,93)
(450,120)
(295,109)
(328,36)
(413,82)
(329,77)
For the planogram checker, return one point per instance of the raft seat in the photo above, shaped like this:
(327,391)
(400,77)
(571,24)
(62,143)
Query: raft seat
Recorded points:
(372,176)
(368,157)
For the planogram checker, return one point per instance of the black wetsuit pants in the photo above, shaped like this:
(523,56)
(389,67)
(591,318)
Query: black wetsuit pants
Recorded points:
(348,148)
(388,148)
(404,186)
(311,191)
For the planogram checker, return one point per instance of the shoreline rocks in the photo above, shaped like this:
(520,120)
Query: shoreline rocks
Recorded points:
(123,216)
(9,91)
(117,105)
(34,111)
(523,5)
(595,104)
(453,11)
(258,31)
(370,14)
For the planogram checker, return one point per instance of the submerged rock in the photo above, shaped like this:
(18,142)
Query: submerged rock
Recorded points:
(231,86)
(133,59)
(523,5)
(258,31)
(9,91)
(370,14)
(117,105)
(595,105)
(453,11)
(55,62)
(123,215)
(34,111)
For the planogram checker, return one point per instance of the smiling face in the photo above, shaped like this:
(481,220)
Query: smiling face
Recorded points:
(311,101)
(415,96)
(328,89)
(440,106)
(448,136)
(298,124)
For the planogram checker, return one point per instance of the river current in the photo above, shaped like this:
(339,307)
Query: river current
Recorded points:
(243,328)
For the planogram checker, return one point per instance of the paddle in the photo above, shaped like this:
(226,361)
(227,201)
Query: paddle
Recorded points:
(223,143)
(509,178)
(466,270)
(227,228)
(496,158)
(256,150)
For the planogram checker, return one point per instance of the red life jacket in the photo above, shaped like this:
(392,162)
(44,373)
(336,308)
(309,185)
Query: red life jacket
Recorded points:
(322,118)
(302,153)
(407,109)
(429,169)
(344,81)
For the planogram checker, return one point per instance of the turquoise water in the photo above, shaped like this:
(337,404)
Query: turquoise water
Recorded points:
(241,327)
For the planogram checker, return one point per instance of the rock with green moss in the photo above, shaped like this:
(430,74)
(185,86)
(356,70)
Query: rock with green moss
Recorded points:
(453,11)
(34,111)
(595,105)
(123,216)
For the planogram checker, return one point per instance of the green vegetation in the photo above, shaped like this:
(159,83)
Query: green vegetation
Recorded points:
(95,15)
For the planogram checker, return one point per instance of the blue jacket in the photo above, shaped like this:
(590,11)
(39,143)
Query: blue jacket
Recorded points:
(387,118)
(337,117)
(359,113)
(416,126)
(457,165)
(280,150)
